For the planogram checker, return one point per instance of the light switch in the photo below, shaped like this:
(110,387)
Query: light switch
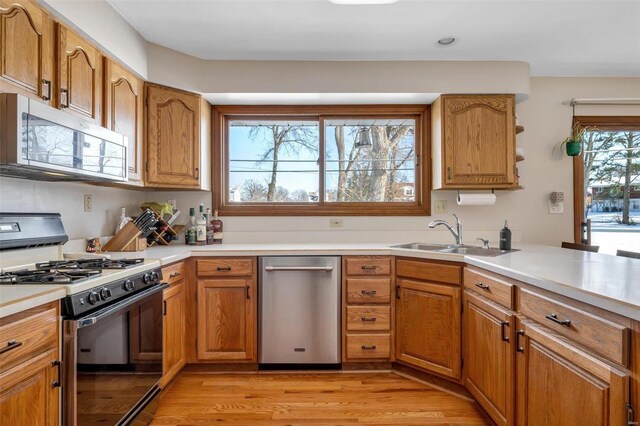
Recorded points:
(441,207)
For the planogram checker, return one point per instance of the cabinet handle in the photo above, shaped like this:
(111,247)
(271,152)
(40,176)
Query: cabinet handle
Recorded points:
(64,94)
(223,268)
(164,307)
(56,363)
(11,344)
(47,84)
(482,286)
(55,384)
(397,292)
(369,267)
(449,173)
(372,319)
(248,292)
(368,292)
(197,173)
(554,318)
(504,324)
(175,274)
(368,347)
(518,347)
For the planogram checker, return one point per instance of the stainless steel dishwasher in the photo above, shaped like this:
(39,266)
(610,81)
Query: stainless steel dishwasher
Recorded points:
(299,310)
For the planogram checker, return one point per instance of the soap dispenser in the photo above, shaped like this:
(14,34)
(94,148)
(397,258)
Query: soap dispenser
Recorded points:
(505,237)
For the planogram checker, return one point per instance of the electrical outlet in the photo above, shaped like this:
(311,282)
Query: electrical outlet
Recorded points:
(88,203)
(173,203)
(335,223)
(441,207)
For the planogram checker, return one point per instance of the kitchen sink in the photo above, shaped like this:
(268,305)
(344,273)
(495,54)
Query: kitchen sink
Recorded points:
(444,248)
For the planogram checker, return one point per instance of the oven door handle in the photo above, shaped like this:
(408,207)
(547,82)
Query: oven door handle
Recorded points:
(98,315)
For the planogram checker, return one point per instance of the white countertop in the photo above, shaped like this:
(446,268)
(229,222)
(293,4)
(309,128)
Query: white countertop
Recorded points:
(14,299)
(609,282)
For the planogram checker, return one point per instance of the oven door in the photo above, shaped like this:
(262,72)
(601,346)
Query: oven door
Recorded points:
(113,360)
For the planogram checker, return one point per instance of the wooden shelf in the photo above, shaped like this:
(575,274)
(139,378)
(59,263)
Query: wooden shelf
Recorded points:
(519,129)
(519,157)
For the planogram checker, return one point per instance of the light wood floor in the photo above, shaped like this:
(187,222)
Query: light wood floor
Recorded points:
(303,399)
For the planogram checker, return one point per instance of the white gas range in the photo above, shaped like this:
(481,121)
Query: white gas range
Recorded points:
(112,317)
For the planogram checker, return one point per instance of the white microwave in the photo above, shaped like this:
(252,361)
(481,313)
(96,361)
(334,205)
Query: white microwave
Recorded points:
(42,143)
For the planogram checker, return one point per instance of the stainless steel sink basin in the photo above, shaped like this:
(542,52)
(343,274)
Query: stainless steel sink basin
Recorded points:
(423,246)
(445,248)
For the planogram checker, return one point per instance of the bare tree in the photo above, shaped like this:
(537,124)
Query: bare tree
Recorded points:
(253,190)
(299,195)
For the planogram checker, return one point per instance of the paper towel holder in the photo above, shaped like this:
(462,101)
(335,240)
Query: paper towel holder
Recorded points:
(493,191)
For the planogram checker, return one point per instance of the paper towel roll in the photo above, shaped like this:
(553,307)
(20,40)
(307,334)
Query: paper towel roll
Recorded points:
(476,199)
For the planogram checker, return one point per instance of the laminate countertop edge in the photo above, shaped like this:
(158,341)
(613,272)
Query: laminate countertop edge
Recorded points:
(15,299)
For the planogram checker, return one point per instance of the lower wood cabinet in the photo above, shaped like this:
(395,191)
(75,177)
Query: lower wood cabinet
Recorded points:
(174,339)
(559,384)
(489,354)
(428,326)
(226,319)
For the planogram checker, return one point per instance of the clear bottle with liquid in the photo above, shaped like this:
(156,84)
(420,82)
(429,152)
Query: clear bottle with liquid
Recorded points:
(209,225)
(201,227)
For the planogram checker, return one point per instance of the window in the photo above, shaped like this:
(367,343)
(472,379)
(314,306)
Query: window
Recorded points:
(361,160)
(607,183)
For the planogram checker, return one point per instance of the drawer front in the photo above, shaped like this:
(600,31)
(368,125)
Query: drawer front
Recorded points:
(368,346)
(602,336)
(225,267)
(173,273)
(427,271)
(490,287)
(368,266)
(368,318)
(368,290)
(28,337)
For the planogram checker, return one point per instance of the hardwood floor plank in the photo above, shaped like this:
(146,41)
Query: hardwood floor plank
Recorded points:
(309,399)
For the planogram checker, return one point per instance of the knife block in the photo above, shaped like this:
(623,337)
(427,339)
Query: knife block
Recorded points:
(123,238)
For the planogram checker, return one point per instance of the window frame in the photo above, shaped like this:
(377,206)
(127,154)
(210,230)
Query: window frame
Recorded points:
(602,122)
(221,115)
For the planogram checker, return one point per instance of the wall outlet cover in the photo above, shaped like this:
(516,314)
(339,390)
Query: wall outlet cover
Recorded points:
(556,208)
(88,203)
(173,203)
(441,207)
(335,223)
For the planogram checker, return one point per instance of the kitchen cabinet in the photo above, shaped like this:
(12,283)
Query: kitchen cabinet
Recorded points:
(174,340)
(226,310)
(27,46)
(489,354)
(559,384)
(145,346)
(124,93)
(80,76)
(473,142)
(178,139)
(30,367)
(367,333)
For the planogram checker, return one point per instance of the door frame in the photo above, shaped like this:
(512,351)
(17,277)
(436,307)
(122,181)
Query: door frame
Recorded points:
(602,122)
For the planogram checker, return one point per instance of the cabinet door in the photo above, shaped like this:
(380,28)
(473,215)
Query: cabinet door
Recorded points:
(30,392)
(490,357)
(174,342)
(173,138)
(479,140)
(80,75)
(146,346)
(558,384)
(123,112)
(226,320)
(428,326)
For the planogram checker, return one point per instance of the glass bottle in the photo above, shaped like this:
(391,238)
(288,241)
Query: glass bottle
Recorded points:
(190,233)
(217,228)
(209,227)
(201,227)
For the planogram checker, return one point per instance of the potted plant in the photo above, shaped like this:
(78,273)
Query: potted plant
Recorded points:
(573,143)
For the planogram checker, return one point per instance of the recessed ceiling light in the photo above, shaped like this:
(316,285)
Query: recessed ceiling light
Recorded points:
(363,2)
(446,41)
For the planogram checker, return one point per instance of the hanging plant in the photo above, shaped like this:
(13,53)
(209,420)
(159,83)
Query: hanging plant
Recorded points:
(573,144)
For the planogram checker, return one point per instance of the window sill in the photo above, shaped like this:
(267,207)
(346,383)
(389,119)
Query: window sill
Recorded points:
(317,210)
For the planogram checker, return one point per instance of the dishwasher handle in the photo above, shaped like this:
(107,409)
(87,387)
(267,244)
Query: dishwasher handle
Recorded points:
(298,268)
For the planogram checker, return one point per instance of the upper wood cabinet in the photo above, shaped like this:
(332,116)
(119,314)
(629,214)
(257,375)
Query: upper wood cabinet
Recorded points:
(178,139)
(488,335)
(27,46)
(124,93)
(80,76)
(559,384)
(473,142)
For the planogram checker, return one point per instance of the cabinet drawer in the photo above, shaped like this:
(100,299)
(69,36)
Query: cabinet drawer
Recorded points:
(368,318)
(28,337)
(368,266)
(225,267)
(602,336)
(173,273)
(368,290)
(427,271)
(490,286)
(368,346)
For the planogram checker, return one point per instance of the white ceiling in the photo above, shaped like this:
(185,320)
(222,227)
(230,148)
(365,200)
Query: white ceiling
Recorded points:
(557,37)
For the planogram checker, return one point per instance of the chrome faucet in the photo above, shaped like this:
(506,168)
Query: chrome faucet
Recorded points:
(457,233)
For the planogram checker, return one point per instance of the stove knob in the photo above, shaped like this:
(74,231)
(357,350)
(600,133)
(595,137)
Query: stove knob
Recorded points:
(128,285)
(147,278)
(105,293)
(155,277)
(93,298)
